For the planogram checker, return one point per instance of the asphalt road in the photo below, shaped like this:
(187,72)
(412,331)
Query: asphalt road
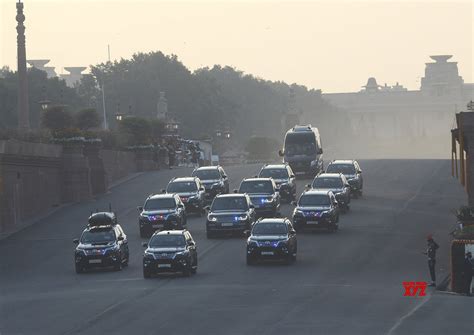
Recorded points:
(349,282)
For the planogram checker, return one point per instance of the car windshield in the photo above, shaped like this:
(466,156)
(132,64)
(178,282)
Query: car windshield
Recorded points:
(95,236)
(314,200)
(274,173)
(341,168)
(300,144)
(163,241)
(207,174)
(229,203)
(157,204)
(270,228)
(260,187)
(327,182)
(182,186)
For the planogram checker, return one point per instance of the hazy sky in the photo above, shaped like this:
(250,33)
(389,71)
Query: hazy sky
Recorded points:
(334,45)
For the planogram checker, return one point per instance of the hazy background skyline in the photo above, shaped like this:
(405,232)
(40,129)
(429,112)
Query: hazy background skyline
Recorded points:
(330,45)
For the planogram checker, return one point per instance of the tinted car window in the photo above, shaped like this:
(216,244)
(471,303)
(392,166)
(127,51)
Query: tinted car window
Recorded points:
(178,187)
(207,174)
(265,187)
(274,173)
(98,236)
(341,168)
(156,204)
(270,228)
(314,200)
(162,241)
(323,182)
(229,203)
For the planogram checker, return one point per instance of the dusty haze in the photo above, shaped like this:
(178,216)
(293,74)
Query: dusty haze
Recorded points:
(332,45)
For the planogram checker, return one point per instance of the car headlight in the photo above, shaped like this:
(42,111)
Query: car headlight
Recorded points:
(252,243)
(283,243)
(80,252)
(193,197)
(211,218)
(268,200)
(242,217)
(148,255)
(315,162)
(297,212)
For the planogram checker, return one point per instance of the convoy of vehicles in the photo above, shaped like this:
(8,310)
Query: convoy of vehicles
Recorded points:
(252,210)
(302,150)
(190,190)
(264,195)
(170,251)
(351,170)
(284,178)
(270,239)
(161,211)
(230,213)
(103,243)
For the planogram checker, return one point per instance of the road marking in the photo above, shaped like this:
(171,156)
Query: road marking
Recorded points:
(410,313)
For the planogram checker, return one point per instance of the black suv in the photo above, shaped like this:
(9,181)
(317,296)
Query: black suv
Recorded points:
(190,190)
(214,179)
(271,238)
(161,211)
(230,213)
(264,195)
(316,209)
(284,179)
(102,244)
(170,251)
(337,183)
(351,170)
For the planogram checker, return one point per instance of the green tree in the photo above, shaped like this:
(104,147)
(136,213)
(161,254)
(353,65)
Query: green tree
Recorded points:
(56,118)
(87,119)
(136,131)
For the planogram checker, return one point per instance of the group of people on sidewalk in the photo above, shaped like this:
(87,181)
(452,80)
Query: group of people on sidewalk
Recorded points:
(175,151)
(467,270)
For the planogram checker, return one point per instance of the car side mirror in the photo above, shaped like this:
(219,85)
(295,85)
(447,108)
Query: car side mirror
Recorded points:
(163,191)
(294,203)
(207,208)
(359,172)
(292,232)
(145,245)
(224,176)
(307,186)
(280,153)
(120,238)
(180,206)
(75,241)
(247,233)
(336,203)
(236,191)
(320,151)
(292,176)
(252,206)
(140,208)
(202,189)
(347,185)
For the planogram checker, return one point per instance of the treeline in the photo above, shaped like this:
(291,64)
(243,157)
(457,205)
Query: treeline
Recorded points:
(202,101)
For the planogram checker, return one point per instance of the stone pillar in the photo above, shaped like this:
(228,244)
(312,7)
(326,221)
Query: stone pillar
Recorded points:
(98,175)
(23,107)
(75,172)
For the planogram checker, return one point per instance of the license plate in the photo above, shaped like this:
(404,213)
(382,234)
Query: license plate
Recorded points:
(164,265)
(227,224)
(312,222)
(157,226)
(267,253)
(95,261)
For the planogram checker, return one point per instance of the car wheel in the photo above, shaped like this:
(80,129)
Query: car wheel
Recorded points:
(79,269)
(146,274)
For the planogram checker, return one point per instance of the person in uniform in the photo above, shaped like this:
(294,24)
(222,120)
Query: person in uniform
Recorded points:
(431,253)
